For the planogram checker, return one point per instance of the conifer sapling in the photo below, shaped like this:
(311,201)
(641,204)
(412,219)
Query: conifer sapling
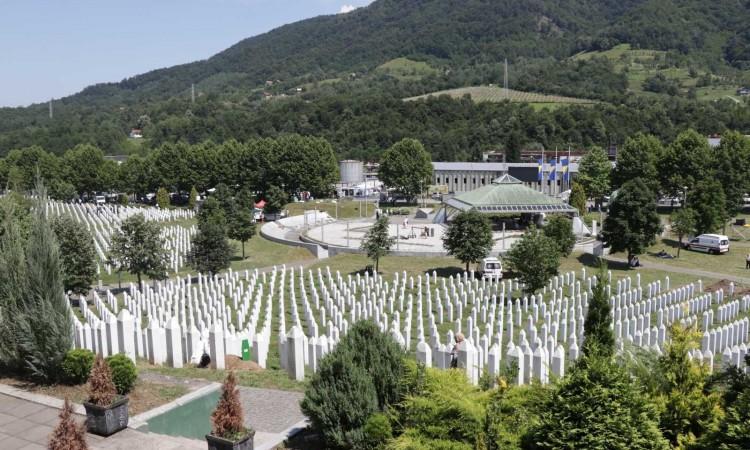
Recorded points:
(102,391)
(227,418)
(68,435)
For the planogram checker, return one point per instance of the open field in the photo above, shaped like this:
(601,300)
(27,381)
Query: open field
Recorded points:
(343,209)
(406,69)
(640,64)
(498,94)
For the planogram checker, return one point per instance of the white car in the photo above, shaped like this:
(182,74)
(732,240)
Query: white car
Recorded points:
(491,269)
(709,243)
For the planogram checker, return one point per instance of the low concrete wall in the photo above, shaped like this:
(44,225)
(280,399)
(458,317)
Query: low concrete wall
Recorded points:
(315,249)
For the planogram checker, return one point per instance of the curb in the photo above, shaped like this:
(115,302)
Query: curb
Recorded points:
(140,420)
(41,399)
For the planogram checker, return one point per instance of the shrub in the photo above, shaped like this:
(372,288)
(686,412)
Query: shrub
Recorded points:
(361,376)
(377,431)
(124,373)
(511,412)
(227,418)
(77,365)
(449,413)
(162,198)
(68,435)
(102,390)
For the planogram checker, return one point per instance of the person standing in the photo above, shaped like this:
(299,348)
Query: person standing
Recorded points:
(747,261)
(454,352)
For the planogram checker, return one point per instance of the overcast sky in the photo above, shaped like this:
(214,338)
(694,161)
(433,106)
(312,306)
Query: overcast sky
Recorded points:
(53,48)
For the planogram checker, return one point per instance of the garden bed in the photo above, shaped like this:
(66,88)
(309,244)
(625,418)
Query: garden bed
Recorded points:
(146,395)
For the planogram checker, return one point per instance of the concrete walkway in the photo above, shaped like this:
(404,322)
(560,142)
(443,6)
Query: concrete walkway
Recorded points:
(685,270)
(27,420)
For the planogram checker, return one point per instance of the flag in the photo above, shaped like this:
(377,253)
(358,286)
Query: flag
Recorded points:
(540,169)
(565,163)
(553,170)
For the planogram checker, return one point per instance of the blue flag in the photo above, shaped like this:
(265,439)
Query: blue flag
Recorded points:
(566,169)
(553,170)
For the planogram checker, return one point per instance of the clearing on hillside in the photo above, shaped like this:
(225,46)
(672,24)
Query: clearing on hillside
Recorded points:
(640,64)
(405,68)
(498,94)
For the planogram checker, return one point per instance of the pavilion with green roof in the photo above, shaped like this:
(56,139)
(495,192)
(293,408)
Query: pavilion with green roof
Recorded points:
(506,195)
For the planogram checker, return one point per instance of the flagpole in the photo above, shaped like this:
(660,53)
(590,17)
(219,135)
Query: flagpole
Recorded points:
(556,169)
(541,186)
(568,171)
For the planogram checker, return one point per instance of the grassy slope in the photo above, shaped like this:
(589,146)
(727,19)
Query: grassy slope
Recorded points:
(641,64)
(498,94)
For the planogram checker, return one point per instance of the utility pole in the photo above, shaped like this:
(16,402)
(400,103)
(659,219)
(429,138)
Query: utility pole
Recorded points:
(50,108)
(192,92)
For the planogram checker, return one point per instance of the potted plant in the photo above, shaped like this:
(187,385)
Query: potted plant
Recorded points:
(228,431)
(68,435)
(106,412)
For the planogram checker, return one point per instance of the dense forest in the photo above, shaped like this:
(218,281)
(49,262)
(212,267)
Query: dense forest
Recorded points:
(333,60)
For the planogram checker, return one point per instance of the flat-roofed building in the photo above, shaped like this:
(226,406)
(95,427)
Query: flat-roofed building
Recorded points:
(466,176)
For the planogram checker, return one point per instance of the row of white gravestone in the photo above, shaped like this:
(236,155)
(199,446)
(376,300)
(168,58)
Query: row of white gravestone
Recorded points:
(103,221)
(410,312)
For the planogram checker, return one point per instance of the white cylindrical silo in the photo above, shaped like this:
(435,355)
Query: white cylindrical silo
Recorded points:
(352,171)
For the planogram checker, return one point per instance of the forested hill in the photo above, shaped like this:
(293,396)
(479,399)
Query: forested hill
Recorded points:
(463,40)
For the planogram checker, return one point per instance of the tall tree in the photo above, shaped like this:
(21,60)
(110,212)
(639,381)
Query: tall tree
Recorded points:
(211,252)
(560,229)
(276,199)
(468,237)
(377,243)
(593,173)
(406,167)
(45,319)
(598,336)
(534,258)
(683,224)
(242,225)
(77,253)
(13,290)
(632,223)
(731,165)
(138,248)
(638,158)
(83,168)
(709,203)
(578,198)
(684,162)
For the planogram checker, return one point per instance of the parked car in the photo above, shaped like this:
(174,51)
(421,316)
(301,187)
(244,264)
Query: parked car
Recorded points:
(709,243)
(491,268)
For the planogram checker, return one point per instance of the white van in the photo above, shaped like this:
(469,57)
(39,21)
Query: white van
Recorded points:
(709,243)
(99,199)
(491,269)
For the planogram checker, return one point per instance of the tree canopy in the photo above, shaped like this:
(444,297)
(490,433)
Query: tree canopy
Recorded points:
(139,248)
(632,222)
(534,259)
(406,167)
(468,237)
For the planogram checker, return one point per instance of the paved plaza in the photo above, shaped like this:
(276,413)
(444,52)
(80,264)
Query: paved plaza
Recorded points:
(26,424)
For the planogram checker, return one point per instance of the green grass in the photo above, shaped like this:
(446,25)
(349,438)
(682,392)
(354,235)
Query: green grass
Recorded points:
(640,64)
(497,94)
(266,379)
(346,209)
(259,252)
(406,69)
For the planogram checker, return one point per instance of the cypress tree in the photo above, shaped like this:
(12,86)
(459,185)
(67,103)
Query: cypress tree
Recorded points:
(598,337)
(13,287)
(45,322)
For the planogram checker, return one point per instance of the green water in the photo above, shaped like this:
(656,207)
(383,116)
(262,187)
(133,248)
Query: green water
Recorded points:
(191,420)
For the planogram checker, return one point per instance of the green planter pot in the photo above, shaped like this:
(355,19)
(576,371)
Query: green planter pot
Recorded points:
(107,420)
(217,443)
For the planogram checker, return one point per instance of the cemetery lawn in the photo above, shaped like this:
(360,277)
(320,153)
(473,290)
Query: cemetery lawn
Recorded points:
(145,396)
(271,378)
(730,263)
(259,252)
(347,209)
(414,266)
